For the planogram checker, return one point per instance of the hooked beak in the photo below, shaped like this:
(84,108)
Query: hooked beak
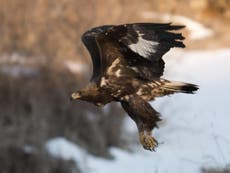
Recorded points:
(75,96)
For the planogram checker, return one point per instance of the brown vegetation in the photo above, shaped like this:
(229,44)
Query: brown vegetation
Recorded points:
(220,170)
(53,29)
(17,160)
(36,108)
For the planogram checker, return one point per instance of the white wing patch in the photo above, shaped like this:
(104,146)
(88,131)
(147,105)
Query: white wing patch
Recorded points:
(114,64)
(103,82)
(118,73)
(140,92)
(143,47)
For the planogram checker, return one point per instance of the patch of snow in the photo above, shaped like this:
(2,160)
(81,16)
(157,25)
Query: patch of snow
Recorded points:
(196,129)
(129,125)
(64,149)
(76,67)
(28,149)
(18,71)
(197,30)
(18,65)
(197,126)
(18,59)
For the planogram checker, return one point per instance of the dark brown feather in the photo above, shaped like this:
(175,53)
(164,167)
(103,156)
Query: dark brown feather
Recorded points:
(89,40)
(141,112)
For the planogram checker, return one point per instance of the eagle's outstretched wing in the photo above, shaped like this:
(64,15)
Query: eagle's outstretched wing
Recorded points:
(141,44)
(89,40)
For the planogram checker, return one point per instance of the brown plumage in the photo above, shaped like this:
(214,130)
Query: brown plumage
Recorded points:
(127,66)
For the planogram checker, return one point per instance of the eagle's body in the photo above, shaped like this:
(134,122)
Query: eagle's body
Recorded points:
(127,66)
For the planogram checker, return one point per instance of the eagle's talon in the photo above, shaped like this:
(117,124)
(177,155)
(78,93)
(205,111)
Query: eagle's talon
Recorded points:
(149,143)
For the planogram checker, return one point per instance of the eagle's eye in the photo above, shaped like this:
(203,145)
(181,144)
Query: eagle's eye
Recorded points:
(75,95)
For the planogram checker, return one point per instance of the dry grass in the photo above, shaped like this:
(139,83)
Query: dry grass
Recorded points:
(53,29)
(225,170)
(16,160)
(34,109)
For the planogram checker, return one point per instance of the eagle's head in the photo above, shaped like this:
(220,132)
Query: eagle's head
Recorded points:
(76,95)
(90,93)
(82,95)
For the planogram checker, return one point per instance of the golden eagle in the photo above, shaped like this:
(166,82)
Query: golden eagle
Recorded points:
(127,68)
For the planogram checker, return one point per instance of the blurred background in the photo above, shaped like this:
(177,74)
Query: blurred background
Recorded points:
(42,60)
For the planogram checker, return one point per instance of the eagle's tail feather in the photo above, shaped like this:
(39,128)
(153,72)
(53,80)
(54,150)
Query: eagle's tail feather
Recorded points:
(180,87)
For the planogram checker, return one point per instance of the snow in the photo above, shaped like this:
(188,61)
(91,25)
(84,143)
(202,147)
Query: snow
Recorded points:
(195,131)
(17,65)
(76,67)
(61,148)
(20,59)
(18,71)
(197,30)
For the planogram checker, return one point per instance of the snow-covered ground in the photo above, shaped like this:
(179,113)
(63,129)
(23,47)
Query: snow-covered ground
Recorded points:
(196,131)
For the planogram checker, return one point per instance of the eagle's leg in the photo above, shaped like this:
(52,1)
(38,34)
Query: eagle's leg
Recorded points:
(145,117)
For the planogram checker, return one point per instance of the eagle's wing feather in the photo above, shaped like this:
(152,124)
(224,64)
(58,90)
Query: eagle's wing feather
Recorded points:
(149,40)
(89,40)
(143,45)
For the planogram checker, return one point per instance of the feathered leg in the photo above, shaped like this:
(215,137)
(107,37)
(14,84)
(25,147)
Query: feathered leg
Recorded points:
(145,117)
